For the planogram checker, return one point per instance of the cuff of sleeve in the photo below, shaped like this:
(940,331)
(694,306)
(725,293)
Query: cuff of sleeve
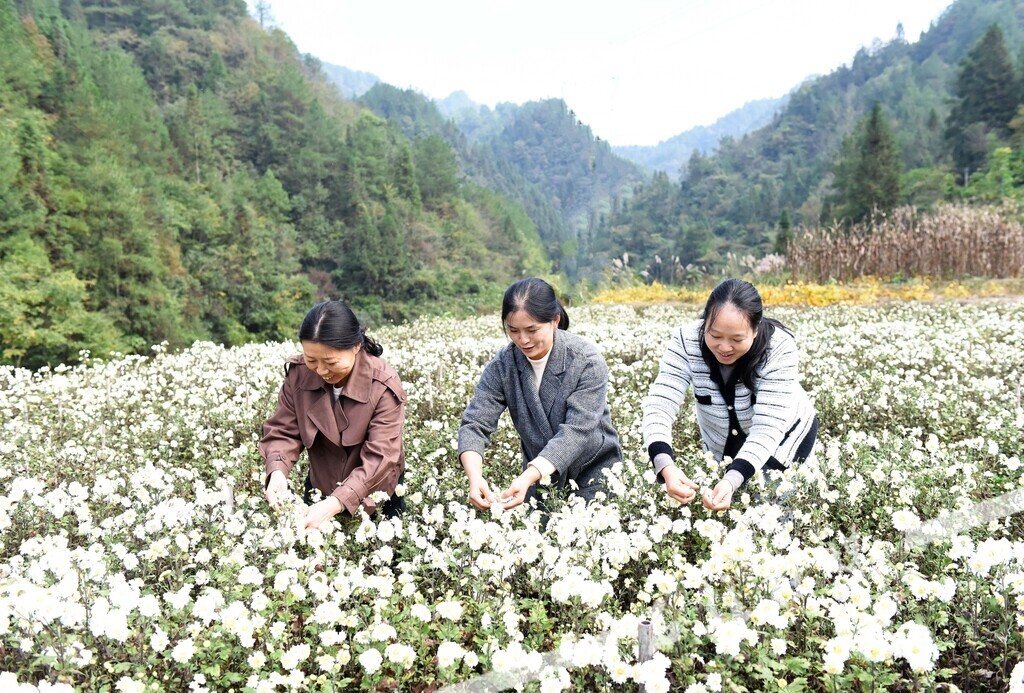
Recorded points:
(661,460)
(735,478)
(743,467)
(543,465)
(660,448)
(350,501)
(275,466)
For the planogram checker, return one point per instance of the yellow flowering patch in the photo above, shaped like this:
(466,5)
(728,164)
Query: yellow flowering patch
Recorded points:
(865,291)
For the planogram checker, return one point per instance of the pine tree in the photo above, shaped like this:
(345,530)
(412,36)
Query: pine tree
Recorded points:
(785,234)
(867,176)
(987,91)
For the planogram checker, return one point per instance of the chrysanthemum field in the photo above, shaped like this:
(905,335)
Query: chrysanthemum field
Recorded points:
(138,552)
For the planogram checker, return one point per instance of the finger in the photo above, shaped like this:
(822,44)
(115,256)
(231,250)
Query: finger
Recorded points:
(685,500)
(511,501)
(683,494)
(692,484)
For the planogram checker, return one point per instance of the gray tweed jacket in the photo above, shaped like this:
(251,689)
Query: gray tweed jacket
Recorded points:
(568,422)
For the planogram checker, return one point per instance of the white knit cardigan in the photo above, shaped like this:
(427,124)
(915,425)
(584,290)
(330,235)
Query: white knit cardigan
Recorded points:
(775,421)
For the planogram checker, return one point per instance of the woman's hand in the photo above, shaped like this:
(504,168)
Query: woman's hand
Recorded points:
(720,497)
(515,494)
(480,493)
(277,489)
(320,513)
(678,485)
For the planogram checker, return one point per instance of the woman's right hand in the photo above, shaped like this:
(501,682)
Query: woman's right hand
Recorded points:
(480,493)
(277,488)
(678,485)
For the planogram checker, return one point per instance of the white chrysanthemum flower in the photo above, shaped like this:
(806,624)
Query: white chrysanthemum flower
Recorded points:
(183,651)
(449,653)
(400,654)
(370,661)
(904,520)
(450,610)
(250,575)
(294,656)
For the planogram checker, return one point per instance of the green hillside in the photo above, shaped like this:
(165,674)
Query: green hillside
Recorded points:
(169,171)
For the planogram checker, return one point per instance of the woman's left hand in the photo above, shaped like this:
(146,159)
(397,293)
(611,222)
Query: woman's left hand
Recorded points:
(720,497)
(320,513)
(515,494)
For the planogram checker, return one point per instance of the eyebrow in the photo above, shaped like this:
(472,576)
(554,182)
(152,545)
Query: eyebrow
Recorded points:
(727,334)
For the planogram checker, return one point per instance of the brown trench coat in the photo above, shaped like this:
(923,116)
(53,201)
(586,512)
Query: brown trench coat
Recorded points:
(354,449)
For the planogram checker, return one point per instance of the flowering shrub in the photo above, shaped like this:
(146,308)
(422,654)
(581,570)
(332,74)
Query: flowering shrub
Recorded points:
(137,551)
(861,291)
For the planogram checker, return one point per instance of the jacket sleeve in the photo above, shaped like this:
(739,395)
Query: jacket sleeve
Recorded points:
(665,397)
(281,444)
(778,392)
(380,455)
(581,434)
(480,419)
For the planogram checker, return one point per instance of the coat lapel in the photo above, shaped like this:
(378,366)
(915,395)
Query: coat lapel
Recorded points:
(551,383)
(321,414)
(357,387)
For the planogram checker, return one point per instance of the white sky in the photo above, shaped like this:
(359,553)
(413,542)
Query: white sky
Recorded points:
(636,72)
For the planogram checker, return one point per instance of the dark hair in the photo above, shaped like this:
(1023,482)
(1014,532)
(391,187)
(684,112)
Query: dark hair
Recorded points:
(537,298)
(333,324)
(744,297)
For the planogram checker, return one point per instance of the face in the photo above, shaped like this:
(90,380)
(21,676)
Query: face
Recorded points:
(534,338)
(730,336)
(333,365)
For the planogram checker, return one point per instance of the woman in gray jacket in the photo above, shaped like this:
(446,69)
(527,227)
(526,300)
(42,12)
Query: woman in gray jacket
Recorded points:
(750,405)
(554,385)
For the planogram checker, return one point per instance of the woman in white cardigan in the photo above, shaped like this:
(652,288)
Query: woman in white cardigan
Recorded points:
(750,405)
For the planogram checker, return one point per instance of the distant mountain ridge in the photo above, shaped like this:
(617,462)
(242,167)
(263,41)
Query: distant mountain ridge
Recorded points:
(672,154)
(538,154)
(352,83)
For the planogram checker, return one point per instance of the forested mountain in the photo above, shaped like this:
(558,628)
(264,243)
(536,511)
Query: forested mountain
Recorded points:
(797,165)
(538,154)
(169,171)
(672,154)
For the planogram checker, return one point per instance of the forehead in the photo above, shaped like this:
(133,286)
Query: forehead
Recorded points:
(521,320)
(322,352)
(730,320)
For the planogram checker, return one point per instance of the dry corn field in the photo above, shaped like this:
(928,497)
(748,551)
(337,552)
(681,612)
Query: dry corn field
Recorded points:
(954,241)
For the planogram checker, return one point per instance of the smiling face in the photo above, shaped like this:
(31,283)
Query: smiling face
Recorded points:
(534,338)
(333,365)
(730,335)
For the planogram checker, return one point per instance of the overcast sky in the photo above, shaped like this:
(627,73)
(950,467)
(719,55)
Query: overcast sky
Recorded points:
(636,72)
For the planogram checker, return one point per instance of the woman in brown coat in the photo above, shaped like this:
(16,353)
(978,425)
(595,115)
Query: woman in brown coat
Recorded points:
(345,406)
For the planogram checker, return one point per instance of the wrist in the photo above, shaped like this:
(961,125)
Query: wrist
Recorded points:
(338,505)
(532,474)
